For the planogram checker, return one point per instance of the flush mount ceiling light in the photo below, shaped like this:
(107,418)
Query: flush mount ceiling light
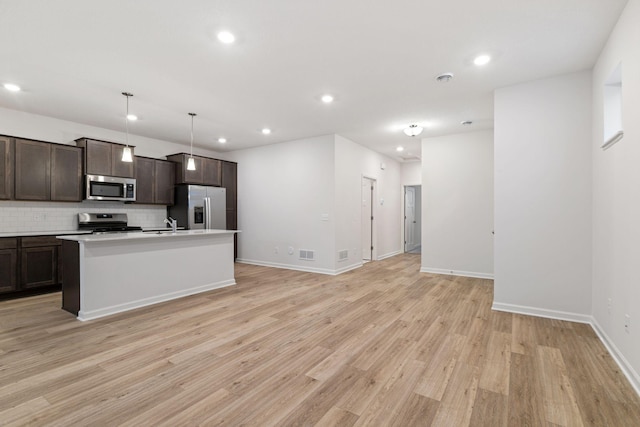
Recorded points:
(266,131)
(399,148)
(222,140)
(126,152)
(132,117)
(327,99)
(481,60)
(12,87)
(444,77)
(226,37)
(191,163)
(413,130)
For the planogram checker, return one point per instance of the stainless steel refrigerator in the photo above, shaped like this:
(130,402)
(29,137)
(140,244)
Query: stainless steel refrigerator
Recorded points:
(199,207)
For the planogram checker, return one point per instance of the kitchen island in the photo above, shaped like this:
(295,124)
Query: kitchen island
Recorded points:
(110,273)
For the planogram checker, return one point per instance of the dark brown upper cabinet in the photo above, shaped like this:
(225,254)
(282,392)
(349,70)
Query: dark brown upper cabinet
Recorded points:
(211,172)
(6,168)
(154,181)
(145,177)
(66,173)
(184,176)
(32,170)
(208,171)
(229,181)
(165,182)
(105,158)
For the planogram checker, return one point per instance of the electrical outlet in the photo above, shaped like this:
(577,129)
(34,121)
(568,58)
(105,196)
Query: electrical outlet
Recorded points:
(290,251)
(609,305)
(627,323)
(276,250)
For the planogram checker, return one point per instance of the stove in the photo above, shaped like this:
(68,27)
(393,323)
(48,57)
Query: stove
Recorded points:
(100,223)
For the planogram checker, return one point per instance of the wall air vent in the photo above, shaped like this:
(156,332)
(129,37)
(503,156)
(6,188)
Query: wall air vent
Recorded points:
(307,255)
(342,255)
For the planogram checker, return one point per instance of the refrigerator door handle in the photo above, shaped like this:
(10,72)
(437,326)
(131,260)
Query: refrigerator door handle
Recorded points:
(207,212)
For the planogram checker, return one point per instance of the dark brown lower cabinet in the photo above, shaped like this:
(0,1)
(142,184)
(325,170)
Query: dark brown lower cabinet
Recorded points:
(8,264)
(29,265)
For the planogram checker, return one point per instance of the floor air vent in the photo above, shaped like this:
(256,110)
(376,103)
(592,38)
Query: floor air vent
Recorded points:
(307,255)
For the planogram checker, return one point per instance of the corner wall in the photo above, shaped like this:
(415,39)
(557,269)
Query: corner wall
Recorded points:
(354,161)
(284,192)
(543,197)
(457,204)
(616,200)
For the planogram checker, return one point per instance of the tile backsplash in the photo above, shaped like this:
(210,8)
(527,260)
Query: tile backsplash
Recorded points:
(17,216)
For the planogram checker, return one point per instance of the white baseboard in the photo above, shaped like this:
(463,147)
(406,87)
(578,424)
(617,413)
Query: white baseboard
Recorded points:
(456,273)
(107,311)
(299,267)
(622,362)
(349,268)
(388,255)
(619,358)
(542,312)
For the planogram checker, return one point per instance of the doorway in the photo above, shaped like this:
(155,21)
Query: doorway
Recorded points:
(368,218)
(413,219)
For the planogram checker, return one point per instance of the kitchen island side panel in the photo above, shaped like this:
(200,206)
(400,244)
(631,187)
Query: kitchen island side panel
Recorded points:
(71,280)
(120,275)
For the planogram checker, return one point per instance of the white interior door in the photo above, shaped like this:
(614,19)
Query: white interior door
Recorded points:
(367,219)
(410,242)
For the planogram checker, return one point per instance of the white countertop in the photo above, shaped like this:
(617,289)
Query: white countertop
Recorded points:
(124,237)
(42,233)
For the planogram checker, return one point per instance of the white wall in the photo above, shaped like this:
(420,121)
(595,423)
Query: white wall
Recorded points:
(283,192)
(616,200)
(18,216)
(543,197)
(411,173)
(33,126)
(457,204)
(354,161)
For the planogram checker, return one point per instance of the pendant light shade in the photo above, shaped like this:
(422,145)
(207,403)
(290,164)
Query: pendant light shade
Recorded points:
(191,163)
(126,152)
(126,155)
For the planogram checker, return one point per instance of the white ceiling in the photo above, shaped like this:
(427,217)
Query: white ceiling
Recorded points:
(73,58)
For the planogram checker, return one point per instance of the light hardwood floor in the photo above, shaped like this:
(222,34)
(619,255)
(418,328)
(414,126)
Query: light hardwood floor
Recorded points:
(383,345)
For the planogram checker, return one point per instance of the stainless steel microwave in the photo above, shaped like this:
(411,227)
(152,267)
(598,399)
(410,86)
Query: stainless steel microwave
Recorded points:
(113,188)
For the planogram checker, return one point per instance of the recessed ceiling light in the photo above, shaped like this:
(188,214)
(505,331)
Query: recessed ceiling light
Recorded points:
(132,117)
(466,123)
(222,140)
(481,60)
(226,37)
(266,131)
(413,130)
(399,148)
(444,77)
(11,87)
(327,99)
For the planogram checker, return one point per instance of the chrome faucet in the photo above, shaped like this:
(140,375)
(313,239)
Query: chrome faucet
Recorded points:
(173,223)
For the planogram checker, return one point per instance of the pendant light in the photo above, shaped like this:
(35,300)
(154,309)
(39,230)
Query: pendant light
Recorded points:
(191,164)
(126,152)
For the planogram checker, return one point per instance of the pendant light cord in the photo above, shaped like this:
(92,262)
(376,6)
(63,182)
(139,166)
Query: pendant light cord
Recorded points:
(126,118)
(192,116)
